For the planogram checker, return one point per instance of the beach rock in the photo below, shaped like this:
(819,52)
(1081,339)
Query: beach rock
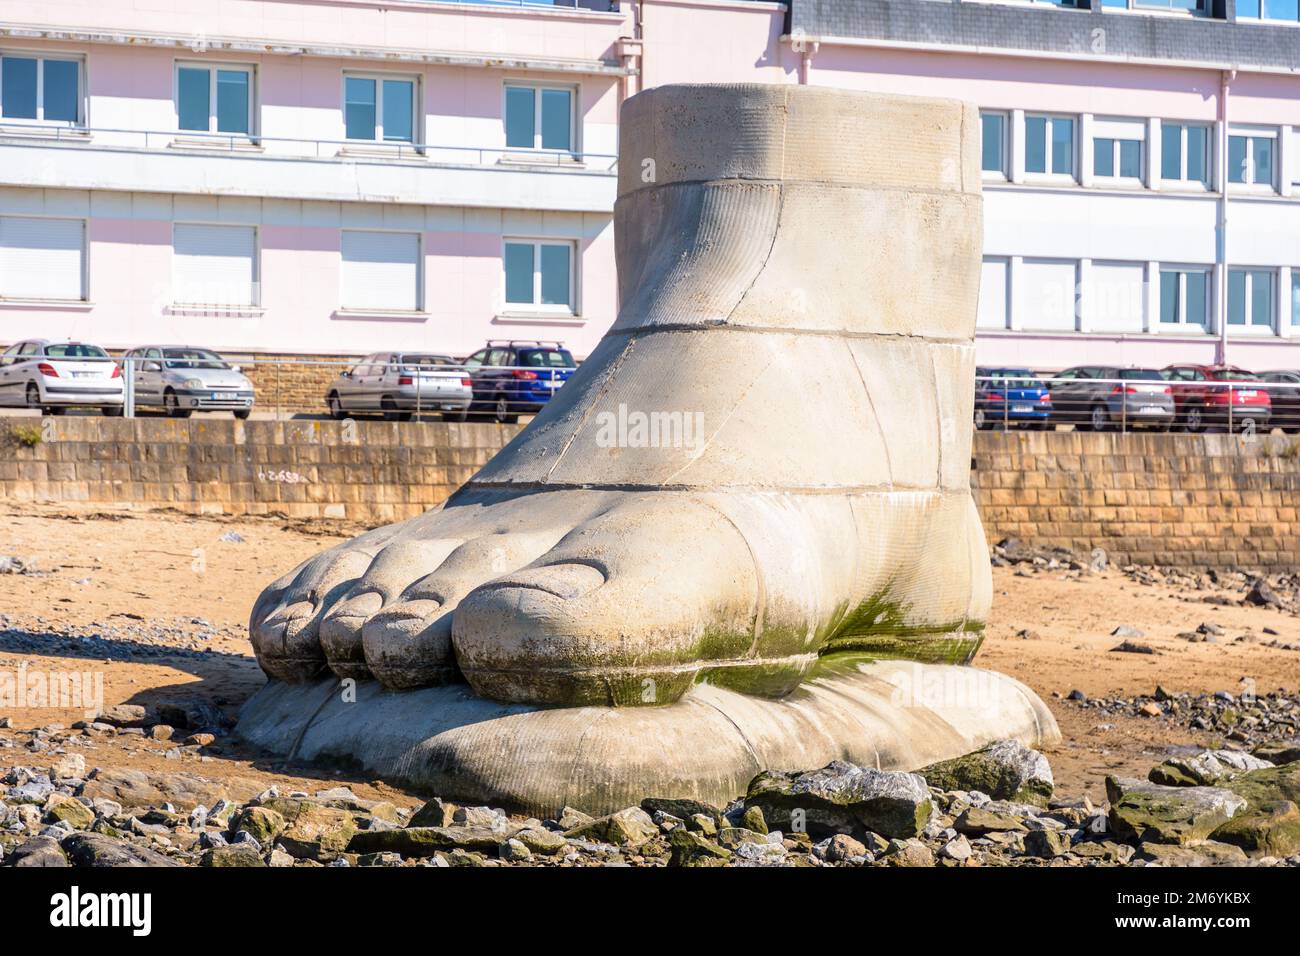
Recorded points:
(1005,770)
(842,798)
(1144,812)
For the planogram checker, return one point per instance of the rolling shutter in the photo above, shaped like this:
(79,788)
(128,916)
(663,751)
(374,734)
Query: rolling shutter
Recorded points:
(42,258)
(214,265)
(381,271)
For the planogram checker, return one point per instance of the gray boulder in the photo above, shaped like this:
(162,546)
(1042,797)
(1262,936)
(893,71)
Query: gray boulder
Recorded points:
(842,798)
(1005,770)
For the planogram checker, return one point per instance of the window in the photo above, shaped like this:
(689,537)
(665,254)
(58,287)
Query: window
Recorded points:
(41,89)
(993,143)
(214,265)
(1049,145)
(1185,297)
(1192,6)
(1250,298)
(214,99)
(381,271)
(1185,153)
(1268,10)
(539,274)
(379,109)
(1250,157)
(1295,298)
(42,258)
(1115,297)
(993,295)
(539,117)
(1047,295)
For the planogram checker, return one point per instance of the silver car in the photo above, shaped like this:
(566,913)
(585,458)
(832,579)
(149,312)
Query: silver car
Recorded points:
(1102,397)
(182,379)
(398,384)
(55,376)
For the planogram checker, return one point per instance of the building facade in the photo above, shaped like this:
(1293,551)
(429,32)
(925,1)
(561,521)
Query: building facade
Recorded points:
(342,176)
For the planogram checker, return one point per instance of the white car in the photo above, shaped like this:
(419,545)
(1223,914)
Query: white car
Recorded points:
(54,376)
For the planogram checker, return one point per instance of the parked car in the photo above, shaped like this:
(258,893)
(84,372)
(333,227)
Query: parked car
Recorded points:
(182,379)
(56,376)
(1204,397)
(398,384)
(516,377)
(1011,396)
(1285,401)
(1100,397)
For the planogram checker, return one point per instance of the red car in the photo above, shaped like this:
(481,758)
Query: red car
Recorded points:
(1206,395)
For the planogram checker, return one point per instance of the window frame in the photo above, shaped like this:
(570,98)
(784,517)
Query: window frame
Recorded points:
(1183,182)
(573,309)
(39,120)
(1248,327)
(1251,133)
(1003,173)
(1048,175)
(212,66)
(1116,152)
(537,86)
(379,77)
(1182,271)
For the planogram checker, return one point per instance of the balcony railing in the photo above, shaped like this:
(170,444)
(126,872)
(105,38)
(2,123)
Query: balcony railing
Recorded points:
(245,145)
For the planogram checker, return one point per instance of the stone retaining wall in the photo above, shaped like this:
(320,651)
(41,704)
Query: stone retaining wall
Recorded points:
(1213,500)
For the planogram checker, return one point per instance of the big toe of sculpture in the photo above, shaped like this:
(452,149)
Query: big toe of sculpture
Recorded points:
(764,461)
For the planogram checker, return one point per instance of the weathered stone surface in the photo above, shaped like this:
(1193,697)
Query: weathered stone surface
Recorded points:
(1150,813)
(978,821)
(69,767)
(435,813)
(540,840)
(682,809)
(39,851)
(1278,753)
(70,811)
(691,849)
(233,855)
(1209,853)
(1206,768)
(261,823)
(97,850)
(843,847)
(425,841)
(1046,843)
(1005,770)
(911,852)
(137,788)
(842,798)
(629,827)
(311,831)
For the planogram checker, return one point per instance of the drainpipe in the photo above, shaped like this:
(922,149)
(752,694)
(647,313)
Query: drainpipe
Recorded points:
(1221,286)
(806,49)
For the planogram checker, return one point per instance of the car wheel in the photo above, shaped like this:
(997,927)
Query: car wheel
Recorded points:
(335,406)
(172,406)
(1194,420)
(455,416)
(243,413)
(34,396)
(391,412)
(501,413)
(981,420)
(111,411)
(1099,418)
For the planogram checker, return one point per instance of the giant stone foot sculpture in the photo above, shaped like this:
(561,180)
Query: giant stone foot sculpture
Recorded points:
(799,272)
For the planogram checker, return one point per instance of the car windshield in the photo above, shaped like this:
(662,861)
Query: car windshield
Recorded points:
(546,358)
(411,361)
(1141,375)
(1233,375)
(73,350)
(192,358)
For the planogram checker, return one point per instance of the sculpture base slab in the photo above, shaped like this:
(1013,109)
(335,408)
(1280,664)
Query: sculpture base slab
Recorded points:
(894,715)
